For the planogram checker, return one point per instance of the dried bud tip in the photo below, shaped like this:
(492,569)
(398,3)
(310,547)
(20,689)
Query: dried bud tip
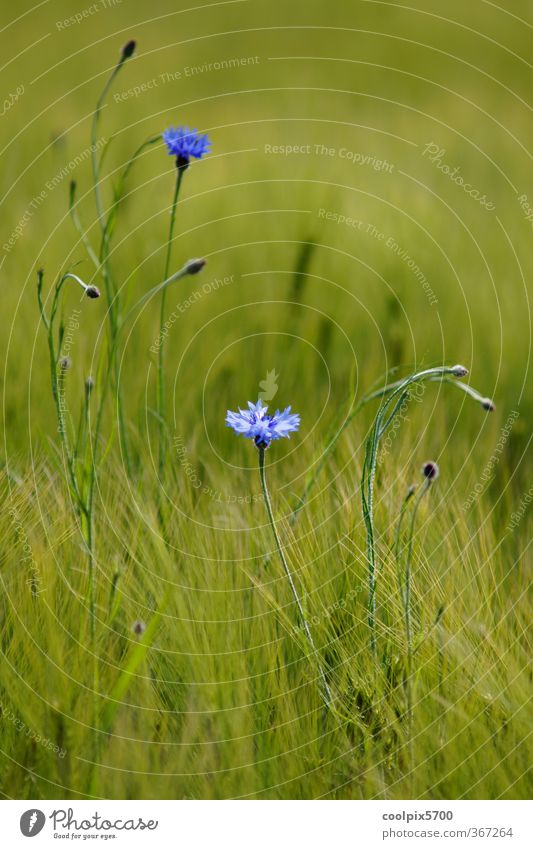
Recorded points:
(129,49)
(65,363)
(430,471)
(410,492)
(459,371)
(488,405)
(92,292)
(138,627)
(195,265)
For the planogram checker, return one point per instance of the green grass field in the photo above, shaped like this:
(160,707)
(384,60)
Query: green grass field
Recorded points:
(365,213)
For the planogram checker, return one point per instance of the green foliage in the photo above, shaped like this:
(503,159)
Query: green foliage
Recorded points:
(220,696)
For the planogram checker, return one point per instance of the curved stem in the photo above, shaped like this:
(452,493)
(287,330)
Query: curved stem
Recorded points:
(371,396)
(331,443)
(369,472)
(326,695)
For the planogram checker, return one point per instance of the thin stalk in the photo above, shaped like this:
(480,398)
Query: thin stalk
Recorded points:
(161,362)
(330,445)
(111,294)
(113,303)
(408,564)
(94,134)
(326,694)
(382,421)
(406,598)
(103,261)
(53,359)
(191,267)
(83,508)
(92,609)
(397,537)
(333,439)
(78,225)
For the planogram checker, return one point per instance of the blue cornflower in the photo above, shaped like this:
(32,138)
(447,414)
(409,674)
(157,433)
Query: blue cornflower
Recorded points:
(254,423)
(183,142)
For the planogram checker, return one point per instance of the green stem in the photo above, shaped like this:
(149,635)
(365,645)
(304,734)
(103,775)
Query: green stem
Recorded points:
(408,681)
(371,396)
(326,695)
(382,421)
(397,538)
(190,267)
(408,563)
(94,148)
(83,505)
(111,294)
(332,442)
(161,361)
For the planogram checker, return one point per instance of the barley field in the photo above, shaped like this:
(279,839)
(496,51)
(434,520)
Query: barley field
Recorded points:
(355,243)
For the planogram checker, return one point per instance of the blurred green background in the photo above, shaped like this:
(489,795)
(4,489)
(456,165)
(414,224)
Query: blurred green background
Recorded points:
(377,79)
(340,243)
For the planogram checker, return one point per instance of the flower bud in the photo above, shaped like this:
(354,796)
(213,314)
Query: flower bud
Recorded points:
(89,386)
(195,265)
(129,49)
(92,292)
(488,405)
(138,628)
(430,470)
(459,371)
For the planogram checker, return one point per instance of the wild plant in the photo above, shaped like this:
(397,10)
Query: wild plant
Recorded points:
(255,423)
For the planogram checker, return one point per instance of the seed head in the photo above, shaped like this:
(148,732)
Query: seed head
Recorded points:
(129,49)
(89,386)
(430,470)
(459,371)
(195,265)
(92,292)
